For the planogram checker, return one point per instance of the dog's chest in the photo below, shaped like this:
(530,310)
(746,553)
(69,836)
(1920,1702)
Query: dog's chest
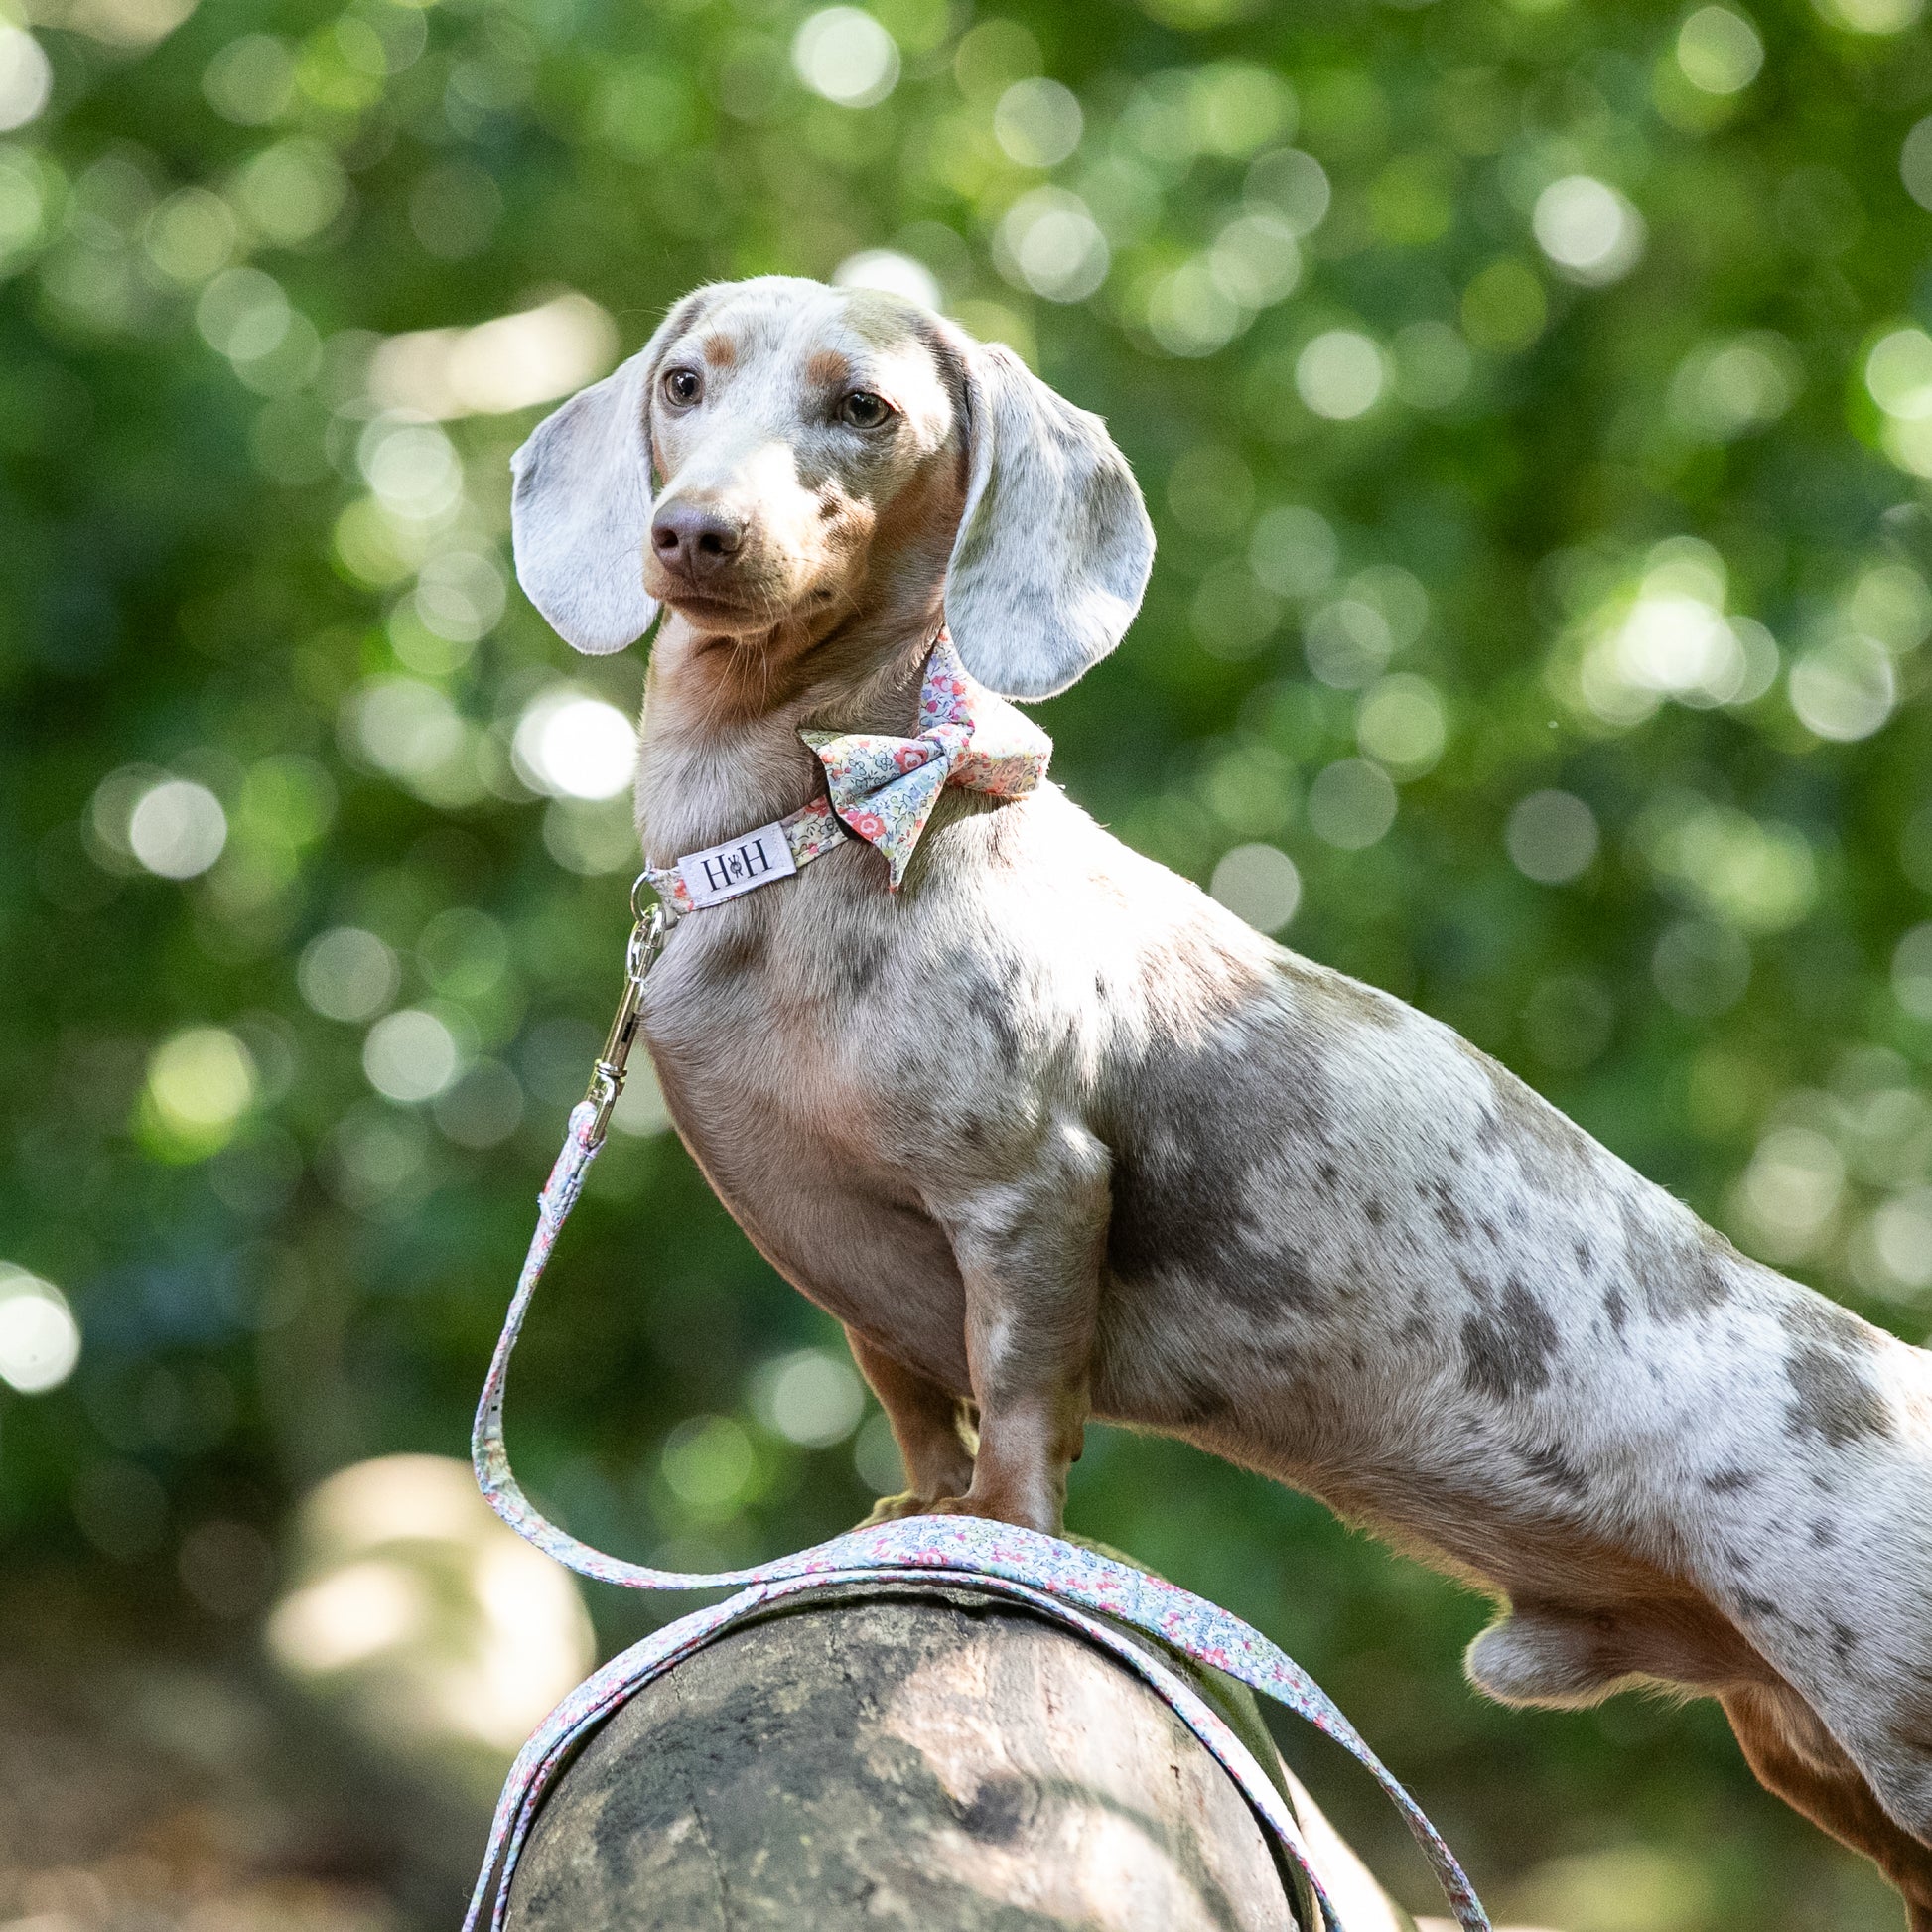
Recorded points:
(773,1089)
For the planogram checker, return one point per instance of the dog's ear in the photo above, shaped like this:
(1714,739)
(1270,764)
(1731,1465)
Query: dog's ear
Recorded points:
(580,504)
(1055,545)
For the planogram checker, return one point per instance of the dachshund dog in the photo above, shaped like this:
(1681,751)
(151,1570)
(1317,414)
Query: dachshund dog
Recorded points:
(1053,1135)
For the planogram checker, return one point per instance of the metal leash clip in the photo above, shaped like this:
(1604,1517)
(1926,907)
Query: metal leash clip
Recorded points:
(647,943)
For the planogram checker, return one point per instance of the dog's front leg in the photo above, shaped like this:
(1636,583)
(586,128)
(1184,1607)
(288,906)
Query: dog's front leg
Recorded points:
(1028,1248)
(925,1422)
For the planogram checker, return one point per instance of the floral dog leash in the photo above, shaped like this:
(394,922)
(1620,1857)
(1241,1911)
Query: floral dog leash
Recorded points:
(1078,1588)
(877,788)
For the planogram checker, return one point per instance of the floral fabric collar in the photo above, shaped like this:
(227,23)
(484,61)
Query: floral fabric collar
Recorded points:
(877,788)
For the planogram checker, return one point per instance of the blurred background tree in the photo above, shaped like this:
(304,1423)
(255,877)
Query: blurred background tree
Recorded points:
(1534,400)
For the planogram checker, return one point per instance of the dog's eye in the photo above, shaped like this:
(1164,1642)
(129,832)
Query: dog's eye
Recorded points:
(862,410)
(683,386)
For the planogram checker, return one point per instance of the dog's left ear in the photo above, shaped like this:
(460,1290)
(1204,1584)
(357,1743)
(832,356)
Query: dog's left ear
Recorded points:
(580,504)
(1055,545)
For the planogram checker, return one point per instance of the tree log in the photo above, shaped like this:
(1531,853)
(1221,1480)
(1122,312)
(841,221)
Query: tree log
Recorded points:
(882,1758)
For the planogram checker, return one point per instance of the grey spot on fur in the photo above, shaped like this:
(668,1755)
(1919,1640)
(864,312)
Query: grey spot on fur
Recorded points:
(1824,1533)
(856,969)
(1335,1001)
(1553,1153)
(1843,1641)
(994,1011)
(1440,1197)
(1289,1284)
(1615,1307)
(1810,1317)
(1833,1399)
(1677,1264)
(1507,1348)
(1761,1607)
(1915,1718)
(742,950)
(1726,1482)
(1253,1092)
(1549,1465)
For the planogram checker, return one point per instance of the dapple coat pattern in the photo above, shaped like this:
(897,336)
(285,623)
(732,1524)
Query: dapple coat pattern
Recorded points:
(1054,1134)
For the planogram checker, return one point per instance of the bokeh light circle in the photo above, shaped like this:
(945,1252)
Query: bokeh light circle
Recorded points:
(40,1340)
(1340,374)
(25,77)
(410,1055)
(1587,230)
(845,55)
(1719,51)
(1258,883)
(571,745)
(177,829)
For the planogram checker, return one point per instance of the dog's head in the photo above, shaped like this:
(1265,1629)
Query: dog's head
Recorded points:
(784,455)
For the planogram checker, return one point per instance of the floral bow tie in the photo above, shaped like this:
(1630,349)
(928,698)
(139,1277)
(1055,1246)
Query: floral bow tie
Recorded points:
(880,788)
(884,789)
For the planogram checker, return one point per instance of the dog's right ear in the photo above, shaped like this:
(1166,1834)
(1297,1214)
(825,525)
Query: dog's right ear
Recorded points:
(580,504)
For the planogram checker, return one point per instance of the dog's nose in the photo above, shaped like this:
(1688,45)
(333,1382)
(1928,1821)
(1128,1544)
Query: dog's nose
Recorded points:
(695,538)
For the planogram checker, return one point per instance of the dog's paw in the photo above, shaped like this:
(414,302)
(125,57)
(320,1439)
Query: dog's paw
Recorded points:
(999,1509)
(908,1502)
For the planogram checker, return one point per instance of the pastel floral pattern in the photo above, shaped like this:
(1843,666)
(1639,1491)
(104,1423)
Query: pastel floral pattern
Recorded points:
(884,788)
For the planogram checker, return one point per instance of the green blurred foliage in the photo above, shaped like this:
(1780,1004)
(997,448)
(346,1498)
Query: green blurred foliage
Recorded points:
(1533,402)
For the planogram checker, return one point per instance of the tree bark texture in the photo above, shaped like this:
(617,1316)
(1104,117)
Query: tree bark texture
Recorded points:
(883,1759)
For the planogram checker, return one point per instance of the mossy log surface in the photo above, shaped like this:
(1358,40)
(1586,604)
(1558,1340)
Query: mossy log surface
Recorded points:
(939,1760)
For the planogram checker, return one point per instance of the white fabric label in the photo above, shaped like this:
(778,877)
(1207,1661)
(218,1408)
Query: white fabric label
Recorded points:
(737,866)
